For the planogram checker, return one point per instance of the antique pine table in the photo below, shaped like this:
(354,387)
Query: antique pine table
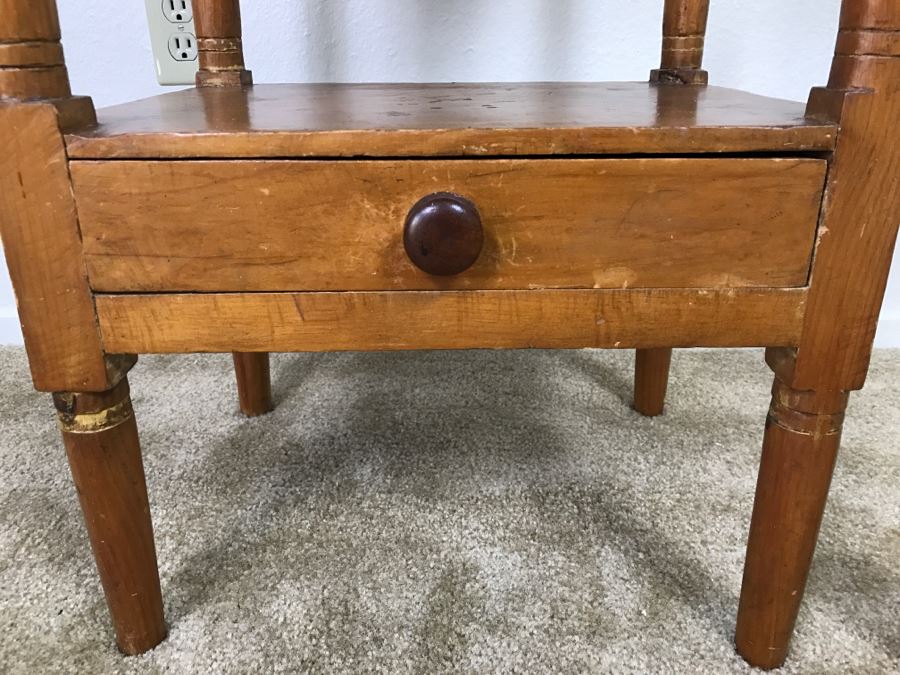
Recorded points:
(251,219)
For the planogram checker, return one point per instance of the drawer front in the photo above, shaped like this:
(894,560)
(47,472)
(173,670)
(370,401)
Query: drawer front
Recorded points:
(275,225)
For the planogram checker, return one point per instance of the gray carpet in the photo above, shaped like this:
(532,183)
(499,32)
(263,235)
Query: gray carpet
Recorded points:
(447,512)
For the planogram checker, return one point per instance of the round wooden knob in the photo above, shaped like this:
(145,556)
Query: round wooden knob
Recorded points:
(443,234)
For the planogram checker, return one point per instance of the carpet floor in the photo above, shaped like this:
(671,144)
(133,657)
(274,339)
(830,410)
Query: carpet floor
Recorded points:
(448,512)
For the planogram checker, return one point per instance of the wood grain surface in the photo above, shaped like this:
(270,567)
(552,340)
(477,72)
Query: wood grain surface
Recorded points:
(861,209)
(30,54)
(378,120)
(566,319)
(338,225)
(43,252)
(34,20)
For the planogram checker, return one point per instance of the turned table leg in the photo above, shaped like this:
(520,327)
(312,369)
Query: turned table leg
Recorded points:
(651,379)
(803,431)
(253,382)
(101,441)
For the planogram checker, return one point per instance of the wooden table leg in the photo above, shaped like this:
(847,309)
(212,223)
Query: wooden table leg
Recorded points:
(651,379)
(803,431)
(253,382)
(101,441)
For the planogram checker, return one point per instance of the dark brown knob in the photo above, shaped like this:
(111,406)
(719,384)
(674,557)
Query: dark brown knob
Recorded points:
(443,234)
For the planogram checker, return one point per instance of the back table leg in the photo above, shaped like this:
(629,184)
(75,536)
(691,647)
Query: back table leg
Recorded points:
(101,441)
(651,379)
(253,382)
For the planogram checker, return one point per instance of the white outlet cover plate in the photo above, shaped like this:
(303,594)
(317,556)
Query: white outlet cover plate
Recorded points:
(169,71)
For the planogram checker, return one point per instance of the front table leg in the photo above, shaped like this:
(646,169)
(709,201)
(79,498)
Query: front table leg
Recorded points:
(101,441)
(803,431)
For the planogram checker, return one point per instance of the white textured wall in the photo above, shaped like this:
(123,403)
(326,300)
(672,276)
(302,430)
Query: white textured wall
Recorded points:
(769,47)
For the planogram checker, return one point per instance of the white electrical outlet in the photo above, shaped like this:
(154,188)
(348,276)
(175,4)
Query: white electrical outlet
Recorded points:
(174,43)
(177,11)
(183,47)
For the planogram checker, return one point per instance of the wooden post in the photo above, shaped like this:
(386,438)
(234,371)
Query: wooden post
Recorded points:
(857,232)
(218,26)
(31,61)
(651,379)
(253,382)
(803,432)
(101,441)
(42,243)
(684,32)
(858,226)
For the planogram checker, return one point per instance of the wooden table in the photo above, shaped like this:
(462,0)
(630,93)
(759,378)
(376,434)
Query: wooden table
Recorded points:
(251,219)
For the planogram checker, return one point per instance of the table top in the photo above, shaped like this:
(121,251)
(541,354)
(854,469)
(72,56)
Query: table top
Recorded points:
(412,120)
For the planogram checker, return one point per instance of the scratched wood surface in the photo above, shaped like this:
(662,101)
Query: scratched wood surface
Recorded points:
(566,319)
(861,212)
(348,120)
(276,225)
(43,252)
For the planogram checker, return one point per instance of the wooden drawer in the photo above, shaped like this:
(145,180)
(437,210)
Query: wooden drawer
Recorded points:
(269,225)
